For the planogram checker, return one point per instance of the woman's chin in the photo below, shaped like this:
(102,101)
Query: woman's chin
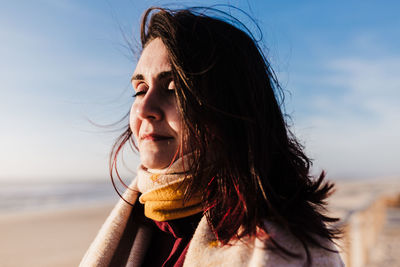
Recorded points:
(156,162)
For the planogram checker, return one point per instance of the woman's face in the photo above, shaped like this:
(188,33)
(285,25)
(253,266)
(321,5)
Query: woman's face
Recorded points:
(154,118)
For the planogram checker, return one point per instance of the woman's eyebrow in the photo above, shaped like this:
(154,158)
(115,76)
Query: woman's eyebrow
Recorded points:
(164,75)
(137,77)
(161,76)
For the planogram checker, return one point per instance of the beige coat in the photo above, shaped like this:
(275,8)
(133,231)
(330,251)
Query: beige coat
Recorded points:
(203,249)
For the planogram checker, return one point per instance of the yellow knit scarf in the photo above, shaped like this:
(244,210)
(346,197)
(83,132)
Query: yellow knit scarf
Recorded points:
(163,192)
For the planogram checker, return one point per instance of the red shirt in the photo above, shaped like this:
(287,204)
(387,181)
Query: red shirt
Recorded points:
(170,241)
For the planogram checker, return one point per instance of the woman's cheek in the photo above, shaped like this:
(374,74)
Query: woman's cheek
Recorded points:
(134,123)
(174,117)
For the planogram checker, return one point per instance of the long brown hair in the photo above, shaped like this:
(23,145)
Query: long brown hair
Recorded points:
(247,162)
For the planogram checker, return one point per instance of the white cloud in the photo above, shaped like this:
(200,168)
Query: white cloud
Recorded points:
(356,134)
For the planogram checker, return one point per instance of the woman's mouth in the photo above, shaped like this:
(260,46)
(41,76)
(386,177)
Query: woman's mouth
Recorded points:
(155,137)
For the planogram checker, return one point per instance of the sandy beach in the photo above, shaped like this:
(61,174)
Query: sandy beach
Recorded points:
(49,238)
(60,238)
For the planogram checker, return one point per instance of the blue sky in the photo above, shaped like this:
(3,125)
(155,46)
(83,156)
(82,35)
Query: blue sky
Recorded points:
(65,63)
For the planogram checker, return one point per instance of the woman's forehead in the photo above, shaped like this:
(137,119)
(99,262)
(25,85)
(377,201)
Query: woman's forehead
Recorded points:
(154,59)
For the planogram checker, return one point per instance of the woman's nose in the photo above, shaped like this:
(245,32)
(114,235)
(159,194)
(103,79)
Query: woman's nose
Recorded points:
(149,106)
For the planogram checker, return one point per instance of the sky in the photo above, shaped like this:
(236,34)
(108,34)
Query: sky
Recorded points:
(65,70)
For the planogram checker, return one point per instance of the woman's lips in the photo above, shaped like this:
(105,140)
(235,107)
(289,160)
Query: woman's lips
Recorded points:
(155,137)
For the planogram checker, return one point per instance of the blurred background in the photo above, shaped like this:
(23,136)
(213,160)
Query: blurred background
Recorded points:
(65,75)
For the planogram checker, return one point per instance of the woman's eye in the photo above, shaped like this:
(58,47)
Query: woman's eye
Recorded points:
(140,89)
(171,90)
(139,93)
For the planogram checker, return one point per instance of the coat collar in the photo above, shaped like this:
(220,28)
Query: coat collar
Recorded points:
(204,250)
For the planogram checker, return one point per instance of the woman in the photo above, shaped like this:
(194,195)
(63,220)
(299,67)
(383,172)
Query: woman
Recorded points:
(222,180)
